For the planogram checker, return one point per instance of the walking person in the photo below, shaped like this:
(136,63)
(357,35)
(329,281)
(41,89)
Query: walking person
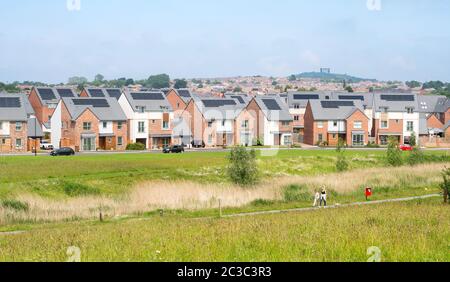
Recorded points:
(316,198)
(323,197)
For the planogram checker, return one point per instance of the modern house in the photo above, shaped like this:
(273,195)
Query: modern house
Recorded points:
(19,130)
(331,120)
(395,115)
(150,118)
(89,124)
(273,124)
(178,99)
(44,101)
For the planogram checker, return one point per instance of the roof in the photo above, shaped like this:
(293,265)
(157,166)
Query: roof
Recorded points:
(13,107)
(34,128)
(105,109)
(242,99)
(152,101)
(367,99)
(301,98)
(96,92)
(216,108)
(273,108)
(443,105)
(334,109)
(185,94)
(395,102)
(431,103)
(49,95)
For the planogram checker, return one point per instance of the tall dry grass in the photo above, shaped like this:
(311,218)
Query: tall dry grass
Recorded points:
(150,196)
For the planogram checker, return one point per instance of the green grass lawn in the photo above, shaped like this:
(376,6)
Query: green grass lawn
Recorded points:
(115,174)
(412,231)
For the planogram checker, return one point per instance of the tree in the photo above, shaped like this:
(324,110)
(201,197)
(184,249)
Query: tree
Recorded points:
(180,83)
(242,167)
(274,83)
(237,89)
(341,162)
(158,81)
(413,140)
(129,81)
(349,89)
(413,84)
(292,77)
(78,80)
(433,84)
(445,186)
(394,154)
(99,78)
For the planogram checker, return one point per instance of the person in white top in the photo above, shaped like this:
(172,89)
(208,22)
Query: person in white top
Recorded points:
(316,198)
(323,197)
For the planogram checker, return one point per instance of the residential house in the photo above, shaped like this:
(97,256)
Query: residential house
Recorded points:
(178,99)
(395,115)
(89,124)
(150,118)
(328,121)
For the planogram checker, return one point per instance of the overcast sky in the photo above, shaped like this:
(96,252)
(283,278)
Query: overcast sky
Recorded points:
(397,40)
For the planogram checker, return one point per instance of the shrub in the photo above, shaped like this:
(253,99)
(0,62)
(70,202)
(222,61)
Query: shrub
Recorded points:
(394,154)
(445,186)
(415,157)
(262,203)
(15,205)
(242,168)
(295,193)
(413,140)
(372,145)
(135,147)
(341,162)
(76,189)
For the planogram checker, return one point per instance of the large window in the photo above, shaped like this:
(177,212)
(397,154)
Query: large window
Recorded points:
(87,126)
(384,140)
(384,124)
(119,125)
(105,124)
(410,126)
(358,139)
(287,140)
(19,143)
(320,137)
(165,125)
(120,141)
(245,124)
(320,124)
(141,127)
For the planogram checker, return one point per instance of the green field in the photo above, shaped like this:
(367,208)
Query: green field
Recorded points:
(412,231)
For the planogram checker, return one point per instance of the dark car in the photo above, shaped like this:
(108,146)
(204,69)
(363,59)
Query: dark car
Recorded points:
(173,149)
(63,152)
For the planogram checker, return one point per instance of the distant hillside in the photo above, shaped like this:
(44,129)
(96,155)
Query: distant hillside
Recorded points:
(332,77)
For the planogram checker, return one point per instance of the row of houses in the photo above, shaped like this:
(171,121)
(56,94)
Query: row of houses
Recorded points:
(110,119)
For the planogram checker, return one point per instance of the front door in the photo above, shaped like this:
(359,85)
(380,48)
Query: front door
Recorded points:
(88,144)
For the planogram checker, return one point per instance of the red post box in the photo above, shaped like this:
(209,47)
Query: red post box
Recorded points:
(368,193)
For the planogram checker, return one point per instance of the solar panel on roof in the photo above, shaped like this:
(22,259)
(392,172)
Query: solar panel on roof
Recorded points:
(306,97)
(114,93)
(9,102)
(271,104)
(213,103)
(65,92)
(148,96)
(351,97)
(96,103)
(336,104)
(184,93)
(239,98)
(96,93)
(398,98)
(46,94)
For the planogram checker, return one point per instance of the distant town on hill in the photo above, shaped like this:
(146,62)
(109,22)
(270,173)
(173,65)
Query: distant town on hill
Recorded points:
(327,76)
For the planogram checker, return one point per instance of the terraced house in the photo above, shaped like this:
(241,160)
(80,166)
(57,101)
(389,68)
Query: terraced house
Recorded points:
(44,101)
(19,130)
(212,120)
(397,116)
(328,121)
(89,124)
(150,118)
(179,100)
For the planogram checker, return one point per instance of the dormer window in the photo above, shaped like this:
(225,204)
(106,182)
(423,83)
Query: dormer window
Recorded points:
(296,106)
(140,109)
(410,110)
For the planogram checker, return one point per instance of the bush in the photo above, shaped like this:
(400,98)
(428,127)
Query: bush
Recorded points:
(445,186)
(136,147)
(394,154)
(341,162)
(15,205)
(296,193)
(416,157)
(372,145)
(242,168)
(261,203)
(76,189)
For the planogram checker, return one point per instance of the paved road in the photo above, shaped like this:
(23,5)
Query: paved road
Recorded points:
(215,150)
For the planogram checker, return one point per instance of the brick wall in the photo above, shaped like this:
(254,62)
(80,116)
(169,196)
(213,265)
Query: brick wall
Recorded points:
(357,116)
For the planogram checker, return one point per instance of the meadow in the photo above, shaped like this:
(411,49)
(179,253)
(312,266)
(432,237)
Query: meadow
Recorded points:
(410,231)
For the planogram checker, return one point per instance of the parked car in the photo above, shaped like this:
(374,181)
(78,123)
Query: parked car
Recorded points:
(46,146)
(63,152)
(406,147)
(173,149)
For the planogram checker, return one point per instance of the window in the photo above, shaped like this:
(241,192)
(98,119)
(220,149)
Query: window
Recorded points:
(296,118)
(210,137)
(165,125)
(287,140)
(223,123)
(383,140)
(320,124)
(18,143)
(335,123)
(140,109)
(410,110)
(210,123)
(334,136)
(358,140)
(178,105)
(105,124)
(119,125)
(410,126)
(285,123)
(357,125)
(141,127)
(296,106)
(384,124)
(120,141)
(245,124)
(87,126)
(18,126)
(3,141)
(153,121)
(384,110)
(320,137)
